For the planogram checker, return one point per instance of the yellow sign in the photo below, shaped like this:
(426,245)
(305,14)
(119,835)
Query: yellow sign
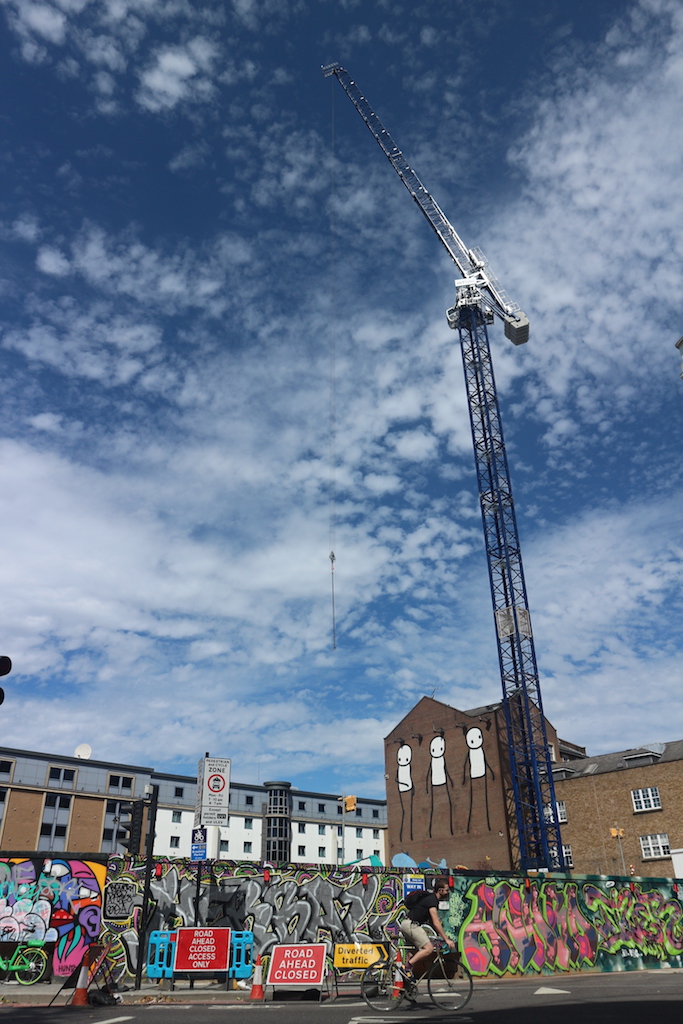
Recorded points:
(353,956)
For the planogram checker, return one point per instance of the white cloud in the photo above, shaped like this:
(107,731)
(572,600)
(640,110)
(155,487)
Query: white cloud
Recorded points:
(52,261)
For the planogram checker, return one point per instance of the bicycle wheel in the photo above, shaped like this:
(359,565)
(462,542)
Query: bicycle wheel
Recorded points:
(31,966)
(377,986)
(449,993)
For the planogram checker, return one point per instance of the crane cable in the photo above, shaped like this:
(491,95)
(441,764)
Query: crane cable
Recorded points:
(333,384)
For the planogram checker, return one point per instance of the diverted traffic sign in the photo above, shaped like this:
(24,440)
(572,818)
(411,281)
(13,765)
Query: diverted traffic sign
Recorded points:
(202,949)
(354,956)
(300,964)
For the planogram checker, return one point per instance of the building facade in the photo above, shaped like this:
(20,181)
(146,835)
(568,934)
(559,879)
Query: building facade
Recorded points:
(449,801)
(622,813)
(58,804)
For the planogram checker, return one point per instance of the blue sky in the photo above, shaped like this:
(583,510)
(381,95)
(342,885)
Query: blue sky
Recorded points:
(224,352)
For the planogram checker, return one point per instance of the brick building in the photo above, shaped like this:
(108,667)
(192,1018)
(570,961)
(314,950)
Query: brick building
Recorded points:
(441,809)
(638,793)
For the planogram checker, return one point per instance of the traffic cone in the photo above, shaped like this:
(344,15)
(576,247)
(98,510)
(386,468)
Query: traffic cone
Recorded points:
(257,984)
(81,994)
(397,990)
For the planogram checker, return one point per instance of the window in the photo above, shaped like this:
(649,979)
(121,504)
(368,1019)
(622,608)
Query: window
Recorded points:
(176,817)
(302,805)
(63,777)
(339,855)
(655,846)
(375,833)
(302,827)
(359,833)
(340,809)
(112,807)
(359,854)
(376,853)
(5,767)
(321,830)
(108,834)
(249,801)
(567,854)
(646,799)
(120,783)
(321,808)
(340,830)
(302,851)
(375,812)
(561,811)
(359,812)
(224,845)
(321,851)
(179,792)
(175,842)
(51,800)
(248,822)
(247,847)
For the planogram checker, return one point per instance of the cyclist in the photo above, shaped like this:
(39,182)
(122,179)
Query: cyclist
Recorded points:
(425,911)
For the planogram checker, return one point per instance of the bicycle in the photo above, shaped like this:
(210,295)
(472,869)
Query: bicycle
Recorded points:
(386,983)
(28,962)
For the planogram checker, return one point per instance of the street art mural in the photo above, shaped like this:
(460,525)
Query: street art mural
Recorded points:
(404,781)
(508,927)
(476,767)
(439,776)
(504,925)
(57,901)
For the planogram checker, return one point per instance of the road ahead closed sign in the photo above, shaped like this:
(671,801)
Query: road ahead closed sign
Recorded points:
(299,964)
(202,949)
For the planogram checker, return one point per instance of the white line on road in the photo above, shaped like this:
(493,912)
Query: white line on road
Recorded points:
(545,991)
(115,1020)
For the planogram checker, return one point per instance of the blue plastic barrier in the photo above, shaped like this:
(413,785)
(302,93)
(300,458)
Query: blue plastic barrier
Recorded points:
(162,946)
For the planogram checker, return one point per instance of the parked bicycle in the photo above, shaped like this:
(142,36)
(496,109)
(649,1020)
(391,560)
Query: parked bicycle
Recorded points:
(386,983)
(28,963)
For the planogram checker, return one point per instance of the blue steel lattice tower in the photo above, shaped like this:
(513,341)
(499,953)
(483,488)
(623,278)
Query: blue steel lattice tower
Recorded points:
(530,790)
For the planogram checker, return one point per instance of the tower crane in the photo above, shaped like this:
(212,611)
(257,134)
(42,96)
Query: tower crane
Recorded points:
(479,299)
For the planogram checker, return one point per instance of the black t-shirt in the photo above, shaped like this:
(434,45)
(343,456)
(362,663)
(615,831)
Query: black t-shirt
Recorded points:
(420,912)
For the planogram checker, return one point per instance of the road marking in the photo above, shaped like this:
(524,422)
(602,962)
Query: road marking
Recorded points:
(115,1020)
(545,991)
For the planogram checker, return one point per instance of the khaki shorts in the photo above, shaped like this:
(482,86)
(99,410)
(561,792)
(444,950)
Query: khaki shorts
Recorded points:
(414,933)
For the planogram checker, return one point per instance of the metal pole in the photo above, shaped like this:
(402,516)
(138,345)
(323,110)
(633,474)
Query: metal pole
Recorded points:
(621,851)
(146,892)
(343,829)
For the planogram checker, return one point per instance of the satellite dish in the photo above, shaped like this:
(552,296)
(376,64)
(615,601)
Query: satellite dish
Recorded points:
(83,750)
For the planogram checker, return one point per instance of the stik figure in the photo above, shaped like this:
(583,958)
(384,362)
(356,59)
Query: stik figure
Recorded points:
(404,781)
(439,775)
(478,767)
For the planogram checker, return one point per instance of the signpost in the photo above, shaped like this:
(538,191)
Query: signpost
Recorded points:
(299,964)
(202,949)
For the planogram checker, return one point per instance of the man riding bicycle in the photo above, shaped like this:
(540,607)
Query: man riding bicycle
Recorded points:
(425,911)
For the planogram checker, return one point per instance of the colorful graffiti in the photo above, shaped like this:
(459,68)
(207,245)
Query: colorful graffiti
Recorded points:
(508,927)
(53,900)
(505,926)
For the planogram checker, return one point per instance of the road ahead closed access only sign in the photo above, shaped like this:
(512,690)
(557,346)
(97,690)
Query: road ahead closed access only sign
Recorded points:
(300,964)
(202,949)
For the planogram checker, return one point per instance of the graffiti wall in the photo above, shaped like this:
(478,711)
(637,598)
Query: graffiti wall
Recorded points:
(505,926)
(53,900)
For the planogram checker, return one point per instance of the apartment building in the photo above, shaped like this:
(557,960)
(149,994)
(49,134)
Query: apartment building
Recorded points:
(53,803)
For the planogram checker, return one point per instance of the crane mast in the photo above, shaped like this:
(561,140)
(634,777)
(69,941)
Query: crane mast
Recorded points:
(530,791)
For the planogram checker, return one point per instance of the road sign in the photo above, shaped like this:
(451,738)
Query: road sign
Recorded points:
(298,964)
(213,791)
(202,949)
(198,846)
(356,956)
(411,883)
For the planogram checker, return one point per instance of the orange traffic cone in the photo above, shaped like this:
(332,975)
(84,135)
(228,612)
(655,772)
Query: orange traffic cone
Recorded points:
(398,977)
(81,994)
(257,984)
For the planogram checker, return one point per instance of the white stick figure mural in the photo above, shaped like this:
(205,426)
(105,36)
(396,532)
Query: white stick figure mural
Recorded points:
(476,766)
(437,776)
(404,781)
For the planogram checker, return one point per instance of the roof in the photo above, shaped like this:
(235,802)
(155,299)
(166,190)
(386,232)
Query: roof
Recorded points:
(601,764)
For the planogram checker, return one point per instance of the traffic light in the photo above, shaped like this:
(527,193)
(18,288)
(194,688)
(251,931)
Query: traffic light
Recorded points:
(350,803)
(5,669)
(133,827)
